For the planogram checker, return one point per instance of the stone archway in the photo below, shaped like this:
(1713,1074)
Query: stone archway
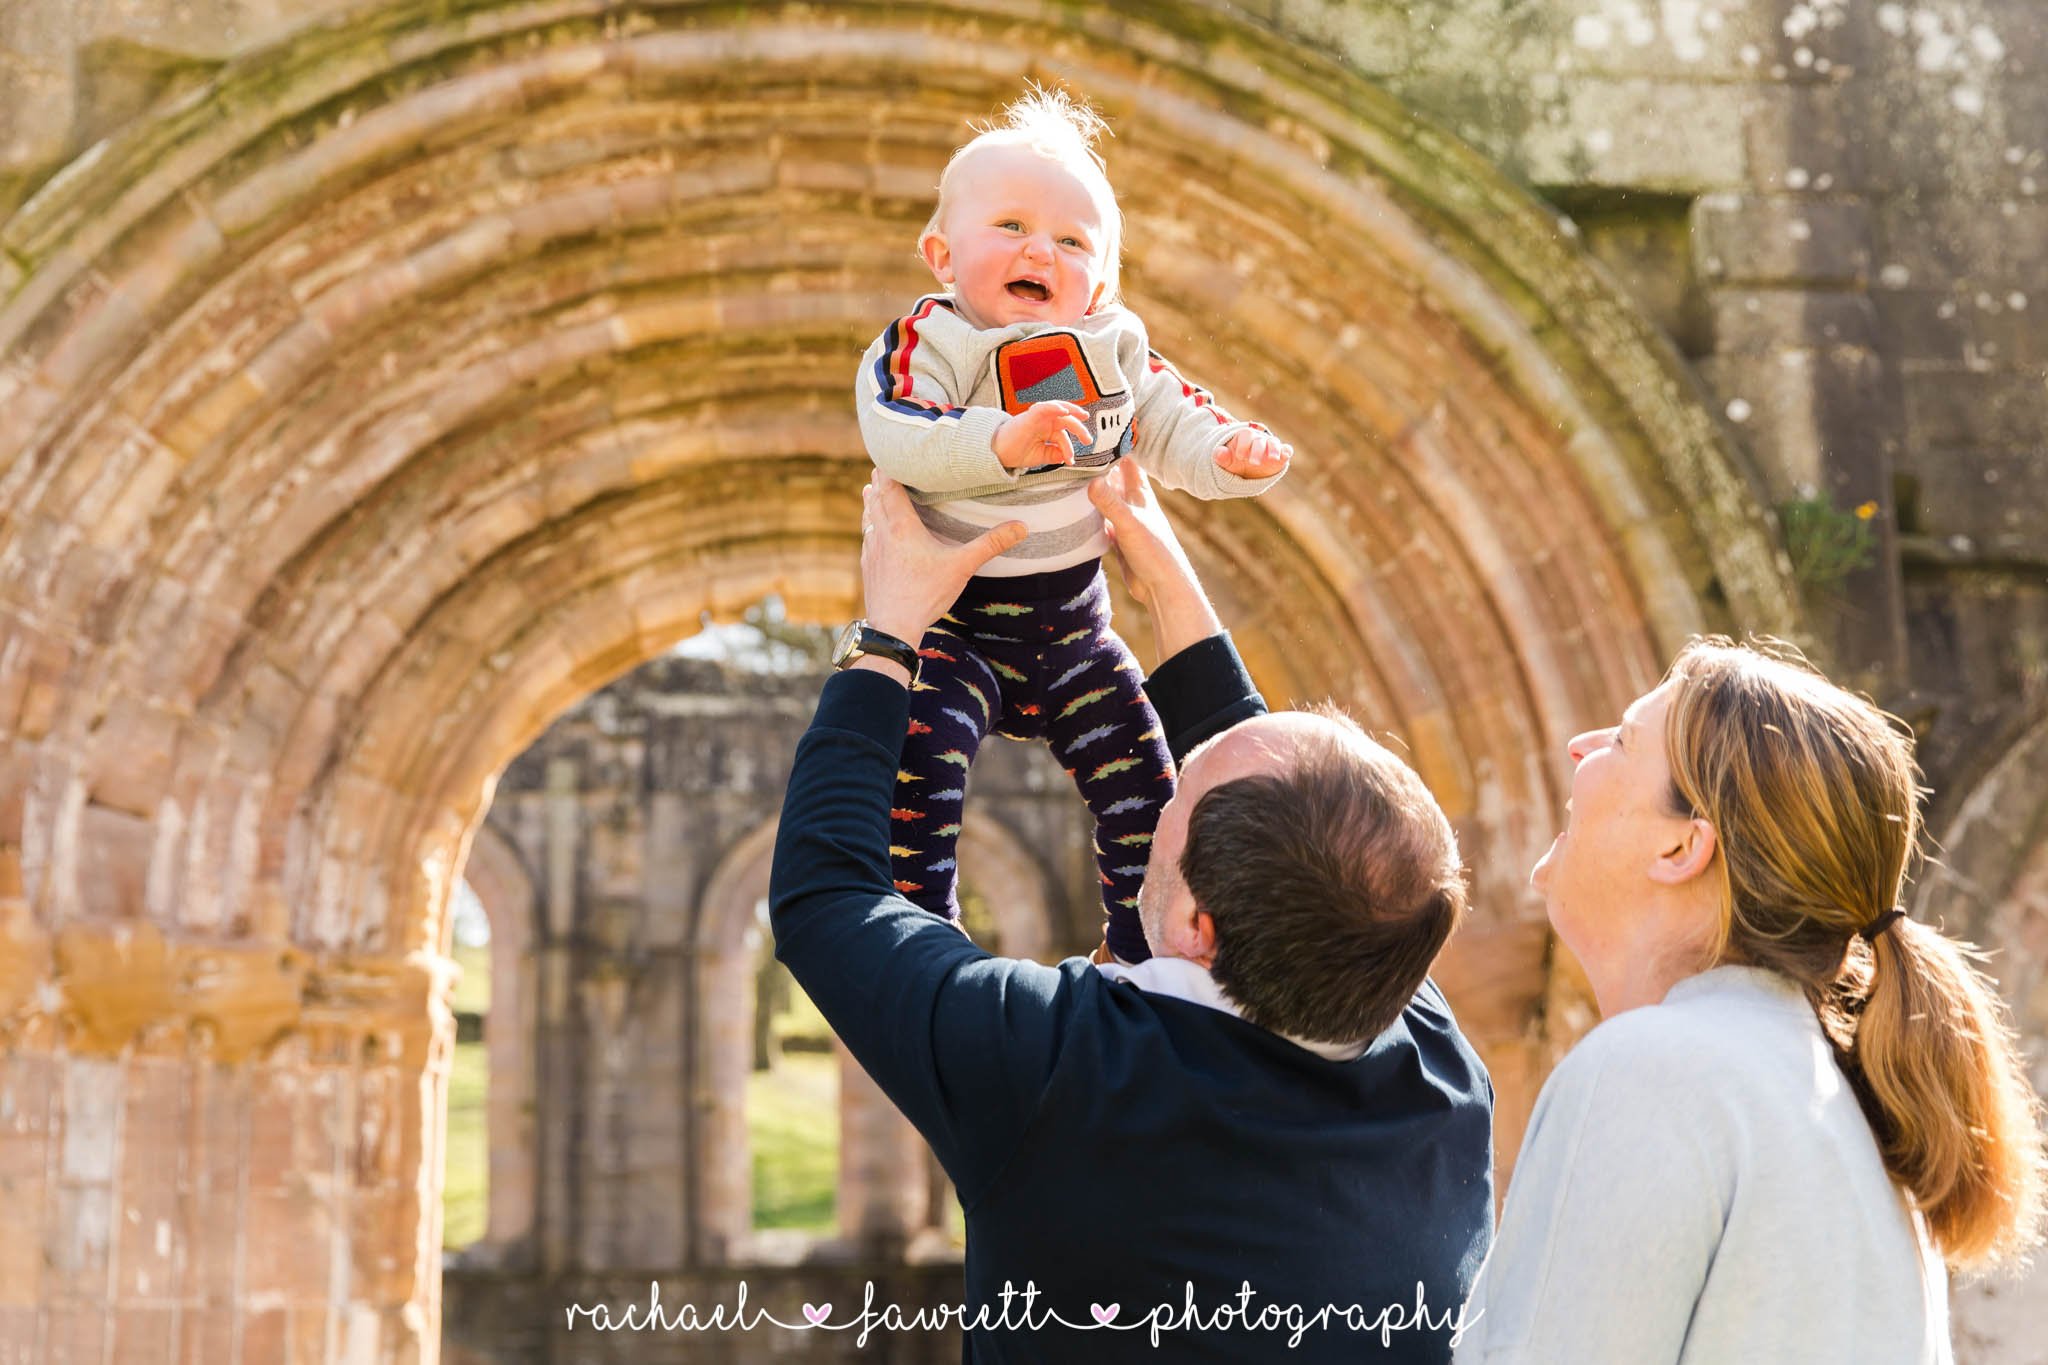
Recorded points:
(434,367)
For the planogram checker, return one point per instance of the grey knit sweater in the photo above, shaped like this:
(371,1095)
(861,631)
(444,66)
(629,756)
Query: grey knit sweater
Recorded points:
(932,389)
(1698,1185)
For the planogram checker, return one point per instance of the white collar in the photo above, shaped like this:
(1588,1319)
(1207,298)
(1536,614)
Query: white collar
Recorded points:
(1190,981)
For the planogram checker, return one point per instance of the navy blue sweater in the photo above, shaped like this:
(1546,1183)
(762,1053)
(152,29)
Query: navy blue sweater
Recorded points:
(1118,1149)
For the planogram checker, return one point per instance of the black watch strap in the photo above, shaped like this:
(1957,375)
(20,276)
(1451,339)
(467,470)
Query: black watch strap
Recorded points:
(861,639)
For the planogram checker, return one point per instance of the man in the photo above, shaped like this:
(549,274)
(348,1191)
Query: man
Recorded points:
(1269,1138)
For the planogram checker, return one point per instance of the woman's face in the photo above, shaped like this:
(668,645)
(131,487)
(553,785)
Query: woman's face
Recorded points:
(1619,827)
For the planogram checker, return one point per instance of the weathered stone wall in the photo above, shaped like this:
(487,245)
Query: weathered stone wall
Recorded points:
(376,379)
(1838,212)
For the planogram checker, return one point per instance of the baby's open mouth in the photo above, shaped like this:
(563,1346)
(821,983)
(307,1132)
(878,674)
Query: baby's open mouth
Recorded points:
(1030,289)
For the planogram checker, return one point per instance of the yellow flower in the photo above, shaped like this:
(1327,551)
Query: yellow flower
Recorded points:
(1865,511)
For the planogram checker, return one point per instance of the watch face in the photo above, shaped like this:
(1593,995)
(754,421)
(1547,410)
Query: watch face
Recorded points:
(848,643)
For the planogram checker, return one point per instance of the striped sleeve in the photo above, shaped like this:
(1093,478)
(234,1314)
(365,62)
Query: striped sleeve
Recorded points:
(916,432)
(1199,399)
(1180,429)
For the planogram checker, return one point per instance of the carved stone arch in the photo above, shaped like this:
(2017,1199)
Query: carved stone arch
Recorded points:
(436,364)
(1515,455)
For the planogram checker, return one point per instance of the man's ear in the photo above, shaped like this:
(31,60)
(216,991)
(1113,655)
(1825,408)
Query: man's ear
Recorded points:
(1685,855)
(932,246)
(1202,939)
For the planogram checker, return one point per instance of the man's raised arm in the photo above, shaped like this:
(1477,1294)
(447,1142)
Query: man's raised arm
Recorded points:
(959,1041)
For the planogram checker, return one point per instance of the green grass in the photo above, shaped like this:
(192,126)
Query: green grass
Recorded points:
(469,1152)
(473,992)
(793,1122)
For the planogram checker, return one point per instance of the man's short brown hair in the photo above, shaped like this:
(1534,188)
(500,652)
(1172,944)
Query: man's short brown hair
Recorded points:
(1333,885)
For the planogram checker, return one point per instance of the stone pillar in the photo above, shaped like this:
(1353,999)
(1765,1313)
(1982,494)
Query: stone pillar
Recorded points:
(558,1129)
(509,1112)
(884,1188)
(198,1191)
(724,1022)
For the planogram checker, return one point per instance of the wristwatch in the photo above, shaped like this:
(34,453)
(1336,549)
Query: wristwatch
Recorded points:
(860,639)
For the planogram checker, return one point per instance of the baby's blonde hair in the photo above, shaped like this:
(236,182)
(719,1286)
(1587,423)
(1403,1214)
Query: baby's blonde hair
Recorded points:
(1064,130)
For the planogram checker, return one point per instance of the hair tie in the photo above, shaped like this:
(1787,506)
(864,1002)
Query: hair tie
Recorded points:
(1870,931)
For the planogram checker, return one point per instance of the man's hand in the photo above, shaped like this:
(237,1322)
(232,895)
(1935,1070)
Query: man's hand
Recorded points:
(908,575)
(1044,433)
(1155,567)
(1254,455)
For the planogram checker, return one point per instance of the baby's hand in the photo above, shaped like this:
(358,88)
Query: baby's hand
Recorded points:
(1044,433)
(1254,455)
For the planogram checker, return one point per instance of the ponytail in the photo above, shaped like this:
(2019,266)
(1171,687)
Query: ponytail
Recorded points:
(1816,798)
(1942,1083)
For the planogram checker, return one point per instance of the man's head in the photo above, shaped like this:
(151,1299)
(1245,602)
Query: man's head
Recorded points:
(1310,870)
(1027,228)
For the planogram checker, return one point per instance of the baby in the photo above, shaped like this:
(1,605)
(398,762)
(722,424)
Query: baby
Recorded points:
(998,401)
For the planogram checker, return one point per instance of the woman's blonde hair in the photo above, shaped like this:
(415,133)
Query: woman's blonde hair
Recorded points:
(1815,796)
(1064,130)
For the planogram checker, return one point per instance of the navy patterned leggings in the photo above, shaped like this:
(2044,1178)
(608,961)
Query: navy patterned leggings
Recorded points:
(1027,658)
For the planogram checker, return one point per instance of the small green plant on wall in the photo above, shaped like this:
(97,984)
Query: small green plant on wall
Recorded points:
(1826,543)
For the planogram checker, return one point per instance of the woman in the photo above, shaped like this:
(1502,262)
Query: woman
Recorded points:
(1801,1102)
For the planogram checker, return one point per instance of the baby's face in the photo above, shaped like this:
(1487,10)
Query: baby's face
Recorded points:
(1022,239)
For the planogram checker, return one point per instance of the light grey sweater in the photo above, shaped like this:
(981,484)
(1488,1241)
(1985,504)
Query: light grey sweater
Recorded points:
(1698,1185)
(932,389)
